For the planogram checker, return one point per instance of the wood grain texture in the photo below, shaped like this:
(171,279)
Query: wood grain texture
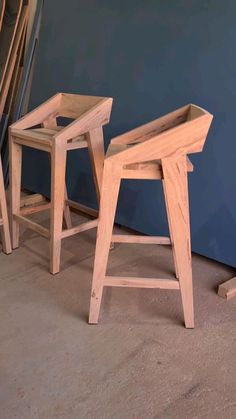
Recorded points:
(90,114)
(157,150)
(2,11)
(5,85)
(4,223)
(228,289)
(109,196)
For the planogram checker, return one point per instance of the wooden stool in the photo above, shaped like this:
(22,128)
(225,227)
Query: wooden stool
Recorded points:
(157,150)
(89,114)
(4,224)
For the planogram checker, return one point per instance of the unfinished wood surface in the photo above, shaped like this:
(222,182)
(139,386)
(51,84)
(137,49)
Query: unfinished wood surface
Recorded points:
(4,223)
(228,289)
(35,208)
(15,163)
(131,238)
(187,137)
(82,208)
(90,114)
(176,197)
(119,281)
(32,225)
(2,11)
(157,150)
(7,35)
(58,173)
(79,229)
(16,76)
(96,153)
(31,199)
(50,127)
(12,59)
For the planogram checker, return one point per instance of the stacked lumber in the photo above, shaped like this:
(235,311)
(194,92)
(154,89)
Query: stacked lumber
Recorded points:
(19,28)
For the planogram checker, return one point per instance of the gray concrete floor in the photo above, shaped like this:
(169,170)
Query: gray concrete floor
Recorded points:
(139,362)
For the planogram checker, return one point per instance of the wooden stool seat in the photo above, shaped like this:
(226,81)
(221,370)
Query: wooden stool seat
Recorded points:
(42,138)
(143,170)
(157,150)
(39,130)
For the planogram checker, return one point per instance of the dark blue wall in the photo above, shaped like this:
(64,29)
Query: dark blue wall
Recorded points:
(152,57)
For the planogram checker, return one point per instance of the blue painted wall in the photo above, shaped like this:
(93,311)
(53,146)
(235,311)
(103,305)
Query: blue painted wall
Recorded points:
(152,57)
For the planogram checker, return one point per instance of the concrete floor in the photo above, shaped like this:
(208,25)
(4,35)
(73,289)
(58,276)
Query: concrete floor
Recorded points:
(139,362)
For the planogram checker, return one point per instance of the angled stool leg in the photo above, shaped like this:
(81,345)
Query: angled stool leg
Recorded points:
(66,209)
(15,161)
(51,123)
(108,202)
(58,171)
(176,195)
(96,154)
(5,233)
(66,212)
(170,230)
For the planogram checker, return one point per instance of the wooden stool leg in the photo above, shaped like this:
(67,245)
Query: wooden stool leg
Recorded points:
(58,171)
(96,153)
(170,230)
(108,202)
(67,223)
(15,162)
(176,195)
(66,212)
(5,233)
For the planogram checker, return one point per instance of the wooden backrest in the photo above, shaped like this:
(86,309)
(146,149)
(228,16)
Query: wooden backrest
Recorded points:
(87,113)
(183,131)
(73,106)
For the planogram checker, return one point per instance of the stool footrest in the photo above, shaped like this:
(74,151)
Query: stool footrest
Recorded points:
(130,238)
(119,281)
(79,229)
(82,208)
(228,289)
(32,225)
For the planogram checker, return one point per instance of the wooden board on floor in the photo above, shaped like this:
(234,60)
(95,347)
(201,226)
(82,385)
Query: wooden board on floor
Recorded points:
(2,10)
(228,289)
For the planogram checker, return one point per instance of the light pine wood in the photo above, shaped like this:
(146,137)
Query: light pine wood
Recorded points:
(33,226)
(50,127)
(108,201)
(4,224)
(131,238)
(2,10)
(176,197)
(90,114)
(32,199)
(82,208)
(12,59)
(228,289)
(79,229)
(157,150)
(7,35)
(119,281)
(34,209)
(15,166)
(58,172)
(96,153)
(16,76)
